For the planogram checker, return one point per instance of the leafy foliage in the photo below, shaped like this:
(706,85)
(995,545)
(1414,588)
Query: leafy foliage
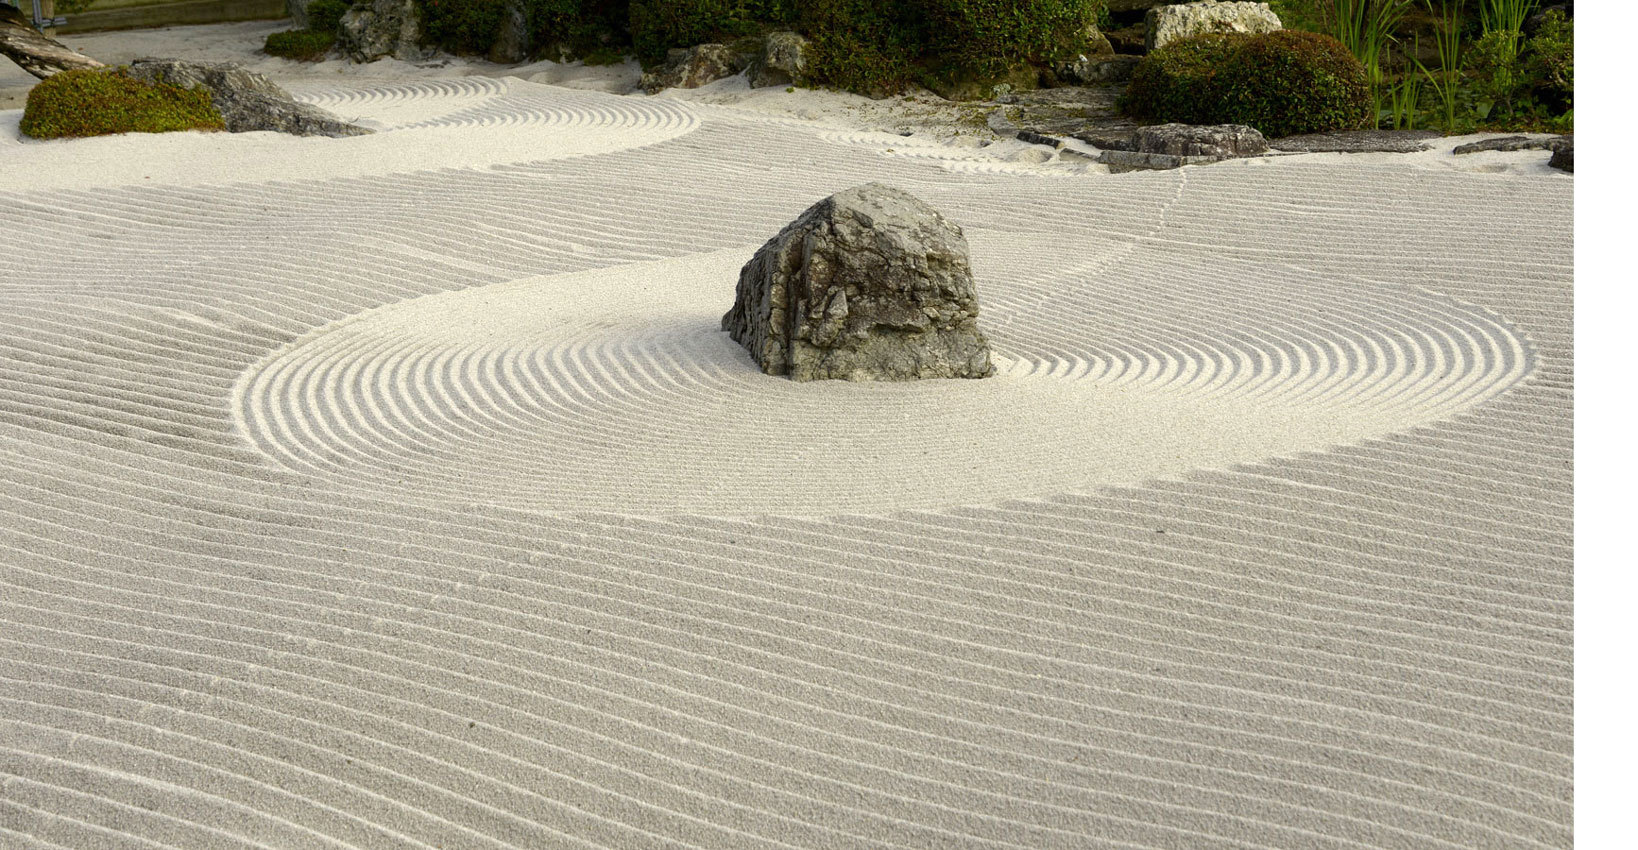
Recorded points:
(1282,83)
(861,45)
(95,102)
(325,15)
(1178,82)
(462,26)
(302,45)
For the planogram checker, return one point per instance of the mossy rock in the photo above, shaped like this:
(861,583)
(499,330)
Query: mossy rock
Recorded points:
(101,102)
(1283,83)
(301,45)
(1022,78)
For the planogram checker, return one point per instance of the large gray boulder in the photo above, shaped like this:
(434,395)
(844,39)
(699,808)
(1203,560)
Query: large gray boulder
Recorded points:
(1166,24)
(377,28)
(1220,140)
(869,284)
(781,62)
(247,100)
(692,67)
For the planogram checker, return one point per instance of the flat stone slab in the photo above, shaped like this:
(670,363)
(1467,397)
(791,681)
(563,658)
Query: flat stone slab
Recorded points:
(1357,141)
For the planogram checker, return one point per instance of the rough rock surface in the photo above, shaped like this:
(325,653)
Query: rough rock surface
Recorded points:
(298,12)
(377,28)
(1358,141)
(1166,24)
(1108,68)
(247,100)
(1220,140)
(692,67)
(1513,143)
(1120,161)
(514,41)
(781,62)
(870,284)
(1564,156)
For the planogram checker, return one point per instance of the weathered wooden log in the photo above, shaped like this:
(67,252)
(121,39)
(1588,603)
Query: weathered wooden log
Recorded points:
(30,48)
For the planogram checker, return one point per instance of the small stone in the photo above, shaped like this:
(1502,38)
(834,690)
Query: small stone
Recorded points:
(870,284)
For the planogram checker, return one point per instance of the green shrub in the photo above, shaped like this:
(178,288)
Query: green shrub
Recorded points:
(302,45)
(659,25)
(1178,82)
(986,38)
(585,28)
(1288,82)
(1282,83)
(1551,62)
(861,45)
(325,15)
(462,26)
(99,103)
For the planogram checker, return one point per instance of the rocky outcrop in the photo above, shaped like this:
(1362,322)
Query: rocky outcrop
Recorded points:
(377,28)
(870,284)
(1091,70)
(298,12)
(247,100)
(692,67)
(1564,156)
(781,62)
(515,39)
(1166,24)
(1220,140)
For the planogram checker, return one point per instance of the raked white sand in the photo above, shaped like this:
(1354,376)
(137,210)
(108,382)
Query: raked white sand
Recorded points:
(400,491)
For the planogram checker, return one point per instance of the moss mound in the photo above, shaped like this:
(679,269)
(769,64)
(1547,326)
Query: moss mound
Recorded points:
(302,45)
(98,103)
(1283,83)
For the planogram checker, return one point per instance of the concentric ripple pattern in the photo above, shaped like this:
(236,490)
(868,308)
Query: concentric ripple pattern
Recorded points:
(614,390)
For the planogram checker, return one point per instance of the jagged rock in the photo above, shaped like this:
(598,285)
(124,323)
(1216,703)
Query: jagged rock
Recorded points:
(1166,24)
(1358,141)
(781,61)
(692,67)
(1564,156)
(1512,143)
(869,284)
(1084,70)
(298,12)
(1221,140)
(377,28)
(247,100)
(514,41)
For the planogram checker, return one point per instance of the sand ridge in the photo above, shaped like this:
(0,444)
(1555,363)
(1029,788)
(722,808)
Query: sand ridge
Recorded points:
(412,504)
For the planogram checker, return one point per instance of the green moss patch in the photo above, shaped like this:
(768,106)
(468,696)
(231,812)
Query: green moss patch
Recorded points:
(1283,83)
(301,45)
(100,103)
